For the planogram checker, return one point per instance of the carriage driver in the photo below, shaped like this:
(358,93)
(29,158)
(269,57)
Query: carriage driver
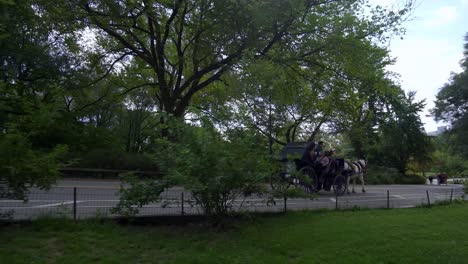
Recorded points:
(319,148)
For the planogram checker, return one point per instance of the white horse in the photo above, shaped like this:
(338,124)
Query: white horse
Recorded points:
(355,170)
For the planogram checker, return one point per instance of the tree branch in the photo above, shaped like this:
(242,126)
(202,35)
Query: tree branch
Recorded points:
(108,70)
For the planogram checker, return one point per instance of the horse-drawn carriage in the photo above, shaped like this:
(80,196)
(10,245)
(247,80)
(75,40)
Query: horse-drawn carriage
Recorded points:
(309,175)
(442,178)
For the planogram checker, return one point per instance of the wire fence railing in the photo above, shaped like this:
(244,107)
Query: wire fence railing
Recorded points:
(98,202)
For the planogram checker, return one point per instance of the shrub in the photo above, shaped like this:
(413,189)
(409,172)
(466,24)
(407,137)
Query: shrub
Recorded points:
(382,175)
(116,159)
(453,165)
(142,191)
(22,167)
(385,175)
(411,179)
(216,170)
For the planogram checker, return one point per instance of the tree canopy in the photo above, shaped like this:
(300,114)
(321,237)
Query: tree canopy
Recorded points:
(451,105)
(130,84)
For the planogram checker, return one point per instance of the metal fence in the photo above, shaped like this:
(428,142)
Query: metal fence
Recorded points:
(82,203)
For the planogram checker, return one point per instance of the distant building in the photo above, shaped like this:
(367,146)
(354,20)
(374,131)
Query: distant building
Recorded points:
(440,130)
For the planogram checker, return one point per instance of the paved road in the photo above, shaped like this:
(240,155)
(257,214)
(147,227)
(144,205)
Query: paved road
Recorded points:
(97,197)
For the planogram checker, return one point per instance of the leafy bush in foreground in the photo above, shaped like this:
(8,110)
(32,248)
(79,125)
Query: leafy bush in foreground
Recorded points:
(216,170)
(22,167)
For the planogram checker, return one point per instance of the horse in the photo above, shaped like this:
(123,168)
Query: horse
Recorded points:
(354,170)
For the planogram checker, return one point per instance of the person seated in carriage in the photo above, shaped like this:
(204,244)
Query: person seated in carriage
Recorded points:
(319,148)
(315,157)
(323,159)
(324,167)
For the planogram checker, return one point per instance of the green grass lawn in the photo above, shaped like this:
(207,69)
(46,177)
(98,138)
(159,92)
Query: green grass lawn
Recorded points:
(420,235)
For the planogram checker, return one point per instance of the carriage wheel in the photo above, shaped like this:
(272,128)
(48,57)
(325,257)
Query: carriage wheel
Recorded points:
(279,183)
(339,185)
(312,186)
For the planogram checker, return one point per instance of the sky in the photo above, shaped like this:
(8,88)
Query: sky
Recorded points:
(430,50)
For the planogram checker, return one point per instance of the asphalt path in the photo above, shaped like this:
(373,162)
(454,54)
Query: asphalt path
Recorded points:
(95,198)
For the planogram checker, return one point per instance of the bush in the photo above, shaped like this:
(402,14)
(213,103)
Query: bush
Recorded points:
(216,170)
(22,167)
(453,165)
(411,179)
(116,159)
(382,175)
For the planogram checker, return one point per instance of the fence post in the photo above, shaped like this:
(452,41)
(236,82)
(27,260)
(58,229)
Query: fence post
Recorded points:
(388,199)
(182,203)
(285,204)
(74,203)
(336,201)
(451,195)
(428,200)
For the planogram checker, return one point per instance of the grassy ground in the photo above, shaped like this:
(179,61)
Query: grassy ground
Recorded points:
(420,235)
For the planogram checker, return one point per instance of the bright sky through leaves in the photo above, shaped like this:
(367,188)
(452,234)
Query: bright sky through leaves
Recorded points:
(431,49)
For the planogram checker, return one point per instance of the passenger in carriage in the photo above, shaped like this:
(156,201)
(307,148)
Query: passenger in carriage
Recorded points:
(319,148)
(321,167)
(323,159)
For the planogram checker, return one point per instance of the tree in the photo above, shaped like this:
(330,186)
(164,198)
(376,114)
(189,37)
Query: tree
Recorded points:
(287,69)
(292,93)
(191,44)
(364,93)
(444,159)
(188,44)
(451,106)
(30,102)
(402,137)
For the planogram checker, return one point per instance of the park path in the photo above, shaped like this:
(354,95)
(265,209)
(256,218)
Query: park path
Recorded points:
(95,197)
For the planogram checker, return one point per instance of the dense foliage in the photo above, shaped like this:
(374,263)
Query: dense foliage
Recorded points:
(452,107)
(204,92)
